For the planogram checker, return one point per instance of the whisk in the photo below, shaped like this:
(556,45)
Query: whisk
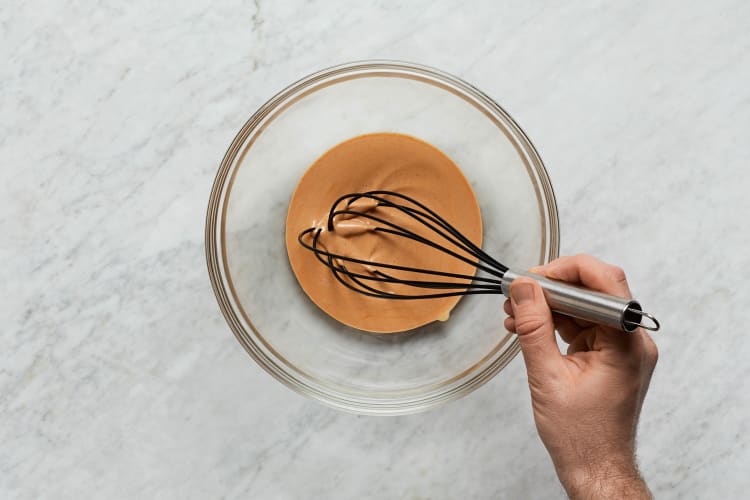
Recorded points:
(494,277)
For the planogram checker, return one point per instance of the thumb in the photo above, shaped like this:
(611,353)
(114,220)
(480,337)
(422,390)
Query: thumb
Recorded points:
(535,329)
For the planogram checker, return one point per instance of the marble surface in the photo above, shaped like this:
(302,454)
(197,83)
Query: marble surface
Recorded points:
(119,377)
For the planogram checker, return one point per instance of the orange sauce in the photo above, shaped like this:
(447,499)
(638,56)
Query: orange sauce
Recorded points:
(380,161)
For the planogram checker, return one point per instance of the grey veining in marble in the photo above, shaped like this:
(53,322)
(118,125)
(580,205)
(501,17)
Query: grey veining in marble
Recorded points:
(120,378)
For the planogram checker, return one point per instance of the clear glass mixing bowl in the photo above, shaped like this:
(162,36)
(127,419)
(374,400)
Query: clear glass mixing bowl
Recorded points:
(266,309)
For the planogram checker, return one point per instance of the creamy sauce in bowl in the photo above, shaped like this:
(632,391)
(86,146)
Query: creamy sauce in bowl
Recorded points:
(380,161)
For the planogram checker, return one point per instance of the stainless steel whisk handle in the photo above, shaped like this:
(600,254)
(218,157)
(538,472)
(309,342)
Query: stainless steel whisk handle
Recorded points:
(582,303)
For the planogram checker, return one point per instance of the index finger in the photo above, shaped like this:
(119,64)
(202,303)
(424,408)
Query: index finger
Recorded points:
(590,272)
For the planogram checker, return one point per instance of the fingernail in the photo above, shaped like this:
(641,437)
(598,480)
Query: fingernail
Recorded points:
(522,293)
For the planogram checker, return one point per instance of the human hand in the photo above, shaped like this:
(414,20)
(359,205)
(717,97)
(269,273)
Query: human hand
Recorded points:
(586,403)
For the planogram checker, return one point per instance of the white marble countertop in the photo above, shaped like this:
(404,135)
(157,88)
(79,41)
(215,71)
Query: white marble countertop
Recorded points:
(119,376)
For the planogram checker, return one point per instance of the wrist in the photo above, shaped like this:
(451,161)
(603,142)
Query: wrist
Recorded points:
(610,479)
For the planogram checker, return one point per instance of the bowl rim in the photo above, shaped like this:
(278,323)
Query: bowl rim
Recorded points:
(253,342)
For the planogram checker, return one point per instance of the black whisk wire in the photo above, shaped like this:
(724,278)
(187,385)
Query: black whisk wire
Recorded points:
(466,245)
(358,282)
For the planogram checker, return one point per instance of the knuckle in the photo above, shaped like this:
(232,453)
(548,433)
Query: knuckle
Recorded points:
(581,258)
(648,350)
(652,352)
(617,274)
(529,323)
(584,257)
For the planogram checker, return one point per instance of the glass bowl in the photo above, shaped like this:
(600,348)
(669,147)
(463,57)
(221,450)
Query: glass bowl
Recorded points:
(268,312)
